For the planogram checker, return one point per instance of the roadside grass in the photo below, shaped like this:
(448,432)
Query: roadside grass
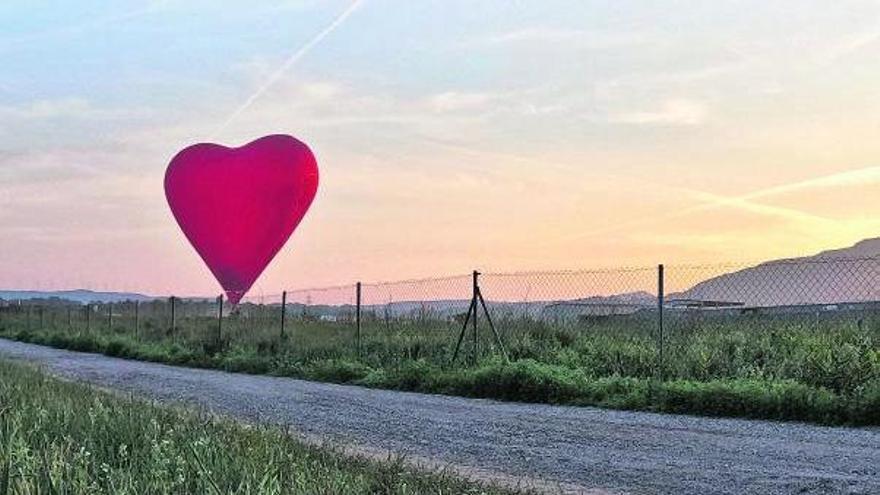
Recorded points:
(782,368)
(59,437)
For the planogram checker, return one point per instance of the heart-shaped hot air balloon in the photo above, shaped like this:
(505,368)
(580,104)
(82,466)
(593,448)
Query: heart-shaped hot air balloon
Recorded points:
(238,206)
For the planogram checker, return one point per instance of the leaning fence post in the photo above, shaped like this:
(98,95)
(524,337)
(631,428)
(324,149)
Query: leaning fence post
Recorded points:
(660,303)
(283,311)
(358,316)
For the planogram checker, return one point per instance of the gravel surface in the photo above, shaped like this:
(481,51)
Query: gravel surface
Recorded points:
(610,451)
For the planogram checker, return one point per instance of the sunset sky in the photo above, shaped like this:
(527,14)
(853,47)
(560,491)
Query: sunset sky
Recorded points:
(451,135)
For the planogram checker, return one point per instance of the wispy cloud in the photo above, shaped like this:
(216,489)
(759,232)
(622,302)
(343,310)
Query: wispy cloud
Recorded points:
(551,35)
(453,101)
(675,78)
(97,22)
(536,33)
(678,112)
(847,45)
(550,170)
(530,101)
(73,108)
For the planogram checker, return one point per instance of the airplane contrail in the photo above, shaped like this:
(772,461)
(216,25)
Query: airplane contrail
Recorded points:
(848,178)
(747,204)
(293,59)
(708,201)
(746,201)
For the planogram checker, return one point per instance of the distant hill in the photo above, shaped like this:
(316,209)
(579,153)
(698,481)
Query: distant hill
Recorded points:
(79,296)
(635,299)
(613,304)
(850,274)
(842,275)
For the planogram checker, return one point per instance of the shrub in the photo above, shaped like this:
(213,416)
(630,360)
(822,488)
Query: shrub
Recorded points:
(777,368)
(337,371)
(118,347)
(749,398)
(526,381)
(865,409)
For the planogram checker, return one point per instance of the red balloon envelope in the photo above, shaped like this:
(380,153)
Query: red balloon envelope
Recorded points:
(238,206)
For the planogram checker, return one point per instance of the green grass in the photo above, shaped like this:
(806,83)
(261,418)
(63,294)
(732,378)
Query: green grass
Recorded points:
(784,367)
(58,437)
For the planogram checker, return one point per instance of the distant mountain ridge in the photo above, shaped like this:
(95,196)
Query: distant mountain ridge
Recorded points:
(849,274)
(81,296)
(867,248)
(618,303)
(637,298)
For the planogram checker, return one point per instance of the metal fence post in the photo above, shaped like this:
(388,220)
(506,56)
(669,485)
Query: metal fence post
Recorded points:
(283,312)
(173,316)
(110,316)
(69,322)
(219,319)
(40,311)
(660,303)
(137,318)
(89,318)
(358,316)
(476,289)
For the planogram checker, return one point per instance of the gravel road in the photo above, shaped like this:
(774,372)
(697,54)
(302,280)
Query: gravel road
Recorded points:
(605,451)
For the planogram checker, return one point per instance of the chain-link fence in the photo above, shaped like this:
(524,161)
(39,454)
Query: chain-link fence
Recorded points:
(702,321)
(813,320)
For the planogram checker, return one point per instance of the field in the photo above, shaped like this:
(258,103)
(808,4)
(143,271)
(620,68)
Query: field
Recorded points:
(786,367)
(59,437)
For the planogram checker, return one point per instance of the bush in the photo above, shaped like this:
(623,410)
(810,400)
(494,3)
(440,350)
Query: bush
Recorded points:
(337,371)
(779,368)
(118,347)
(527,381)
(784,400)
(413,376)
(245,361)
(865,409)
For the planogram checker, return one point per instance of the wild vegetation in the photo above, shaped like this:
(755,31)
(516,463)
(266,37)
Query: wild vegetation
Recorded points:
(58,437)
(785,367)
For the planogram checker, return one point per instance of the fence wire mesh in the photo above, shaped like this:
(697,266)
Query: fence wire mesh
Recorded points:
(794,319)
(715,321)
